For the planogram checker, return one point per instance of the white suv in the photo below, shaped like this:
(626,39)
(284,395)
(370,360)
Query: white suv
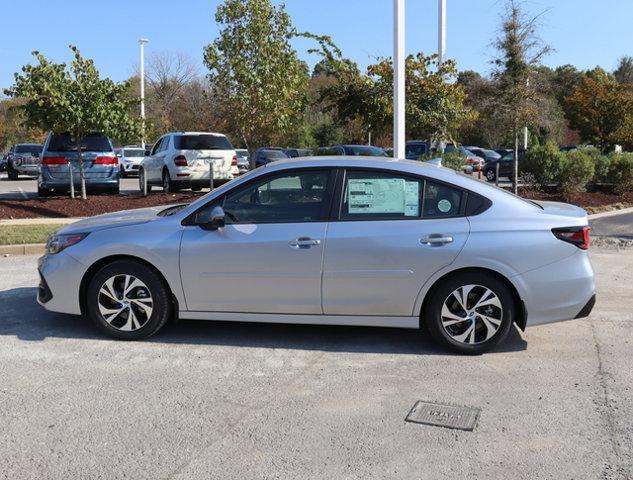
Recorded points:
(182,160)
(130,158)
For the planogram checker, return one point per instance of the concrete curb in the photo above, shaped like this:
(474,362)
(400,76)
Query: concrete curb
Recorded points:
(26,249)
(611,213)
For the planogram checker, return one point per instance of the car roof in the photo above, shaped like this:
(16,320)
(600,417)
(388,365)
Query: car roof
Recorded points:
(196,133)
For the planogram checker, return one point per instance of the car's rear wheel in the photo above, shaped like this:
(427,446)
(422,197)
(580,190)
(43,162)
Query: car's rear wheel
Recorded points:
(141,181)
(168,184)
(128,300)
(470,312)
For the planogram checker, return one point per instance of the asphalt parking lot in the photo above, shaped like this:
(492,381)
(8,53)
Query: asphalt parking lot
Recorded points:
(221,400)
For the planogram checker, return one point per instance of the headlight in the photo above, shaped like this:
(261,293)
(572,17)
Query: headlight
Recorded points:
(57,243)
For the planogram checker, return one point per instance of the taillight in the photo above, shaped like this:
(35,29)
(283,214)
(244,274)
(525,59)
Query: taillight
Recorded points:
(105,161)
(469,161)
(54,161)
(578,236)
(180,161)
(234,161)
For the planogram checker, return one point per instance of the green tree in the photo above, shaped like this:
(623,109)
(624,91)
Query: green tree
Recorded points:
(520,51)
(601,109)
(624,72)
(255,73)
(74,100)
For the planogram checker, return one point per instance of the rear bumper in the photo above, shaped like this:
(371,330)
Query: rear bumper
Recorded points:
(563,290)
(47,182)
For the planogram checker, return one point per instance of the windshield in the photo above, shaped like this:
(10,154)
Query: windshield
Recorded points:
(241,153)
(33,149)
(91,143)
(365,151)
(133,152)
(273,154)
(202,142)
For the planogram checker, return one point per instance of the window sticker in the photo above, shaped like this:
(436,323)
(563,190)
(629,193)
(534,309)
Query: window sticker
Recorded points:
(383,195)
(412,199)
(444,206)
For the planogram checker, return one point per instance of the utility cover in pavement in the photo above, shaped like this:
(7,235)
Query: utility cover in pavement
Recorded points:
(449,416)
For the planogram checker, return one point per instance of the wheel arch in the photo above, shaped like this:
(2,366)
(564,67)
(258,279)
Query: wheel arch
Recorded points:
(102,262)
(521,314)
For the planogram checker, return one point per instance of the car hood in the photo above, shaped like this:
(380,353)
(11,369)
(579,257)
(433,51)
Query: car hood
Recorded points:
(115,219)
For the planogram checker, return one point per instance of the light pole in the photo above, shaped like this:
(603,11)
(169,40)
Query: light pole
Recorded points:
(441,30)
(142,42)
(398,79)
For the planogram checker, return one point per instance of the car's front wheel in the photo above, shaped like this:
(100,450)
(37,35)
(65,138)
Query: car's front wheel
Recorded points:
(12,173)
(470,312)
(128,300)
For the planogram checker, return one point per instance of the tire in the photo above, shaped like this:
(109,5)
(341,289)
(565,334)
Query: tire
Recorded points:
(122,173)
(449,323)
(150,291)
(141,175)
(11,173)
(115,190)
(196,189)
(491,175)
(168,185)
(42,192)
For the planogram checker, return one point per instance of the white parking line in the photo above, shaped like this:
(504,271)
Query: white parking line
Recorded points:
(23,193)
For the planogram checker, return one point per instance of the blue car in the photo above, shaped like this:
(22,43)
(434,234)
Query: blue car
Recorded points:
(59,157)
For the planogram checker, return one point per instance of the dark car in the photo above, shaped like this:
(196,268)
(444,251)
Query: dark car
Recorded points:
(23,159)
(506,166)
(486,154)
(353,150)
(414,149)
(298,152)
(266,155)
(59,157)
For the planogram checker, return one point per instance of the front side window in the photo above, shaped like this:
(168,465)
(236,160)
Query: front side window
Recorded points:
(157,146)
(288,198)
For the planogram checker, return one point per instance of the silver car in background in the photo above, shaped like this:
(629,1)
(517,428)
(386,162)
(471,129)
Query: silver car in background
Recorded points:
(23,159)
(331,240)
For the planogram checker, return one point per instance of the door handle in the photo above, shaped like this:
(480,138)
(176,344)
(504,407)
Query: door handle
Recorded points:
(437,239)
(304,242)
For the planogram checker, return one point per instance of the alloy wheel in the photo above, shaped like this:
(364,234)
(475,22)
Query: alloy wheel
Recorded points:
(472,314)
(125,302)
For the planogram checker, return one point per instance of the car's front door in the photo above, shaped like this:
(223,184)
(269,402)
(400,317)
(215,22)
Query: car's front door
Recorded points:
(268,257)
(393,233)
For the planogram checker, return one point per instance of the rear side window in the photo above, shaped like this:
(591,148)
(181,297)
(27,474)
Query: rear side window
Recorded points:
(441,200)
(91,143)
(373,195)
(378,195)
(202,142)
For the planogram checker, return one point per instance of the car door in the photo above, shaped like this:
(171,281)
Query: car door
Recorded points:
(268,257)
(393,232)
(150,163)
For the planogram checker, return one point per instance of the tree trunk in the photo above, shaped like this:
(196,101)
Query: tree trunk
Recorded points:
(82,175)
(515,175)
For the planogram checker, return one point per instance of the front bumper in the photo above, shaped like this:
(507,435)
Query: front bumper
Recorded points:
(131,168)
(60,279)
(32,170)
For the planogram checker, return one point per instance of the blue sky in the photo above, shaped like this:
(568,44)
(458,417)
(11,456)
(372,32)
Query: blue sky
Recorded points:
(585,33)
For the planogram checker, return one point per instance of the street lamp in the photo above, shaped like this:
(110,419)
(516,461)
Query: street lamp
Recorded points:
(441,30)
(398,80)
(142,42)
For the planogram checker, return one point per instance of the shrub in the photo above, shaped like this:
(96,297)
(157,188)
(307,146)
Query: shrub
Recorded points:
(453,160)
(602,168)
(621,172)
(544,163)
(577,170)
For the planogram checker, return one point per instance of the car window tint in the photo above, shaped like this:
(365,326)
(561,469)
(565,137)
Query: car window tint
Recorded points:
(378,195)
(156,147)
(202,142)
(164,144)
(90,143)
(441,200)
(293,197)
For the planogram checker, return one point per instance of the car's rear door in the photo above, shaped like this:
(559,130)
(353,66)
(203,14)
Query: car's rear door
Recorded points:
(393,232)
(268,257)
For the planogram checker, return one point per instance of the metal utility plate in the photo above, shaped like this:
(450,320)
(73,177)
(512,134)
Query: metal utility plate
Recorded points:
(449,416)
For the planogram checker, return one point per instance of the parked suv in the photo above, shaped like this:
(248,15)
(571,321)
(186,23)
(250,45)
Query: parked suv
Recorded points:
(59,156)
(181,160)
(130,159)
(506,166)
(23,159)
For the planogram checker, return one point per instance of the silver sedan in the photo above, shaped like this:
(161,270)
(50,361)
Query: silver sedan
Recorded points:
(345,241)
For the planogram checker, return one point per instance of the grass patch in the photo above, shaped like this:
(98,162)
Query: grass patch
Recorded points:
(20,234)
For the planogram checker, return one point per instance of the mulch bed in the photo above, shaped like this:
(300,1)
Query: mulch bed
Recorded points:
(63,207)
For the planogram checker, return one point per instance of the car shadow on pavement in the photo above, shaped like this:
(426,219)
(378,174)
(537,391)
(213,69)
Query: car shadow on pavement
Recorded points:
(23,318)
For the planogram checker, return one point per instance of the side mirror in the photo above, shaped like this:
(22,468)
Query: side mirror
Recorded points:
(147,152)
(216,220)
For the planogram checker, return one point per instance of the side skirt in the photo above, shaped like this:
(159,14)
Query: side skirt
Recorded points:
(360,321)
